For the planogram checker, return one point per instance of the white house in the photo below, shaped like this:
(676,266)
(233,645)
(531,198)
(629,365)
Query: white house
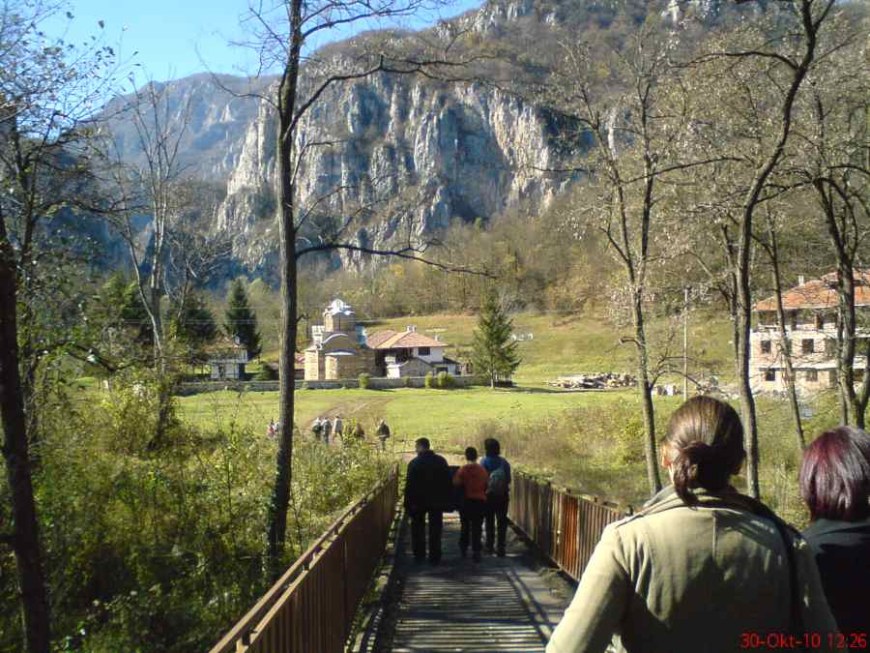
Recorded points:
(228,365)
(409,353)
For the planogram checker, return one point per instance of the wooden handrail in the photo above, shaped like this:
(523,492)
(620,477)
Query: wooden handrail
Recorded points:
(240,635)
(563,524)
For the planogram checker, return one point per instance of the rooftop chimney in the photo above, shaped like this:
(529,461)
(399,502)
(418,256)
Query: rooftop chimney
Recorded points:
(411,328)
(801,279)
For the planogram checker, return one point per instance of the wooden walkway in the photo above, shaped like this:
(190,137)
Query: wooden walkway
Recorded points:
(498,605)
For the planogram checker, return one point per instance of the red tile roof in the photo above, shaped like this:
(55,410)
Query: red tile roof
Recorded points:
(819,294)
(378,337)
(402,340)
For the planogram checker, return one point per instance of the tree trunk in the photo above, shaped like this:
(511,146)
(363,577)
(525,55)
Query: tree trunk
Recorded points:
(278,509)
(25,533)
(645,392)
(785,347)
(744,327)
(811,26)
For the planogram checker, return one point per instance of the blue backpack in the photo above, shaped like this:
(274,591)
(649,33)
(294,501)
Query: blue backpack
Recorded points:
(497,486)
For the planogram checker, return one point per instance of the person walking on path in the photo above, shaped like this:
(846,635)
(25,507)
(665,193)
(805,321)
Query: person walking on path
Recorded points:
(472,478)
(497,496)
(337,428)
(427,494)
(327,430)
(383,434)
(701,567)
(317,429)
(835,484)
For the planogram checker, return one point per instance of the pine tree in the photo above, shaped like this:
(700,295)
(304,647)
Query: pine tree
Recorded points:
(241,321)
(494,354)
(194,324)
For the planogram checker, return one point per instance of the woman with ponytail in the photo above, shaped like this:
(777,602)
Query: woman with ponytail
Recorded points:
(701,567)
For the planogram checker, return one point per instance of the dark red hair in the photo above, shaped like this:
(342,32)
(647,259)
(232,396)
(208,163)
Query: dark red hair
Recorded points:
(835,475)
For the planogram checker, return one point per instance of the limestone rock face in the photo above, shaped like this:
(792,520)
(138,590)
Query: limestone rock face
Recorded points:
(409,154)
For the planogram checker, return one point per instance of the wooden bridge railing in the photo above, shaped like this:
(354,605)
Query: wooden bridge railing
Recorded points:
(564,525)
(312,606)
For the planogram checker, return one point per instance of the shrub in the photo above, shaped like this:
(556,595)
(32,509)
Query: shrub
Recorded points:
(446,381)
(143,572)
(429,380)
(408,382)
(364,381)
(267,373)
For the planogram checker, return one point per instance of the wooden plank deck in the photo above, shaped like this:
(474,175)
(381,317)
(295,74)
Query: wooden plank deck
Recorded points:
(498,605)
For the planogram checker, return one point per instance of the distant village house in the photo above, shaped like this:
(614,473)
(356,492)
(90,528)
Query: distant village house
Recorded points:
(228,365)
(811,326)
(408,353)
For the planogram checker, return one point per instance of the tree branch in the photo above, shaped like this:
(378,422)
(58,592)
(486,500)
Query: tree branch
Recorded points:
(410,253)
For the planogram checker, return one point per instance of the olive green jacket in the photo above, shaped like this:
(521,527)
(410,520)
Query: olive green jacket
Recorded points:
(674,579)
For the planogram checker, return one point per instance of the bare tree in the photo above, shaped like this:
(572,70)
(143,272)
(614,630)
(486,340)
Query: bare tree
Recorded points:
(635,132)
(833,160)
(154,187)
(770,244)
(765,73)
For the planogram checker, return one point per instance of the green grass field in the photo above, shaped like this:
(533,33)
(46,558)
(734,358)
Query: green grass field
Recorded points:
(588,440)
(447,417)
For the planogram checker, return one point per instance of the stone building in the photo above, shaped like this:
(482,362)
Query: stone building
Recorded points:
(341,349)
(338,349)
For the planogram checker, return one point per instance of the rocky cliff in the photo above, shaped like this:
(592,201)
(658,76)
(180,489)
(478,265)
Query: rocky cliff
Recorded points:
(409,156)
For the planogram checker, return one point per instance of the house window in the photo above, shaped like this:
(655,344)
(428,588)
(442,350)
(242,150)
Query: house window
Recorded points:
(858,375)
(812,375)
(770,375)
(765,346)
(424,351)
(808,345)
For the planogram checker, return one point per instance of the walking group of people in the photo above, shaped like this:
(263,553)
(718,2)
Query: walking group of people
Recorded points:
(480,489)
(704,568)
(327,430)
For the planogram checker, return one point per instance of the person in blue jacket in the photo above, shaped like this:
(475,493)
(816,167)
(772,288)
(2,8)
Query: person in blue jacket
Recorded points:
(497,496)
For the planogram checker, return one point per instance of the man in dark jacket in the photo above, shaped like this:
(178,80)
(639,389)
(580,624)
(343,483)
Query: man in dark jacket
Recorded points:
(427,495)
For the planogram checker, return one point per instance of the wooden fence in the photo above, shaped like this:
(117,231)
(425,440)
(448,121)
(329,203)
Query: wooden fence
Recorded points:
(312,607)
(564,525)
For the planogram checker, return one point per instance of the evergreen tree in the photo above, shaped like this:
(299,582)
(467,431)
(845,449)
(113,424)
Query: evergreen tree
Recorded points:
(194,325)
(123,308)
(241,321)
(494,354)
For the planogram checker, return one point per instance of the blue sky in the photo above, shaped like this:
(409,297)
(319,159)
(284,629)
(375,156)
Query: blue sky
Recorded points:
(175,38)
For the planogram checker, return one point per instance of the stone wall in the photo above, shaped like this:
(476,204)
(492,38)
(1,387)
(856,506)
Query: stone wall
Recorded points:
(375,383)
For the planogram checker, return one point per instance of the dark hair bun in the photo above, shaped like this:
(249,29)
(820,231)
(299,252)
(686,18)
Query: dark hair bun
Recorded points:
(700,464)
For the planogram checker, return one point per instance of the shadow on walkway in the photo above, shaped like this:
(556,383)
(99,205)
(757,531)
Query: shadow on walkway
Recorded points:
(500,604)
